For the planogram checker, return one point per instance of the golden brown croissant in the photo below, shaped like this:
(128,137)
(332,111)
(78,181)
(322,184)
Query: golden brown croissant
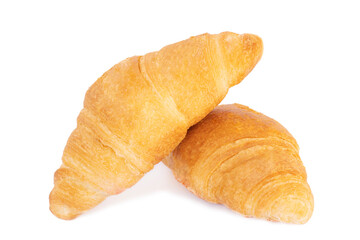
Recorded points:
(139,111)
(246,161)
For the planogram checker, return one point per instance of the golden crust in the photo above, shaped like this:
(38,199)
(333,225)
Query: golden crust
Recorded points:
(139,110)
(247,161)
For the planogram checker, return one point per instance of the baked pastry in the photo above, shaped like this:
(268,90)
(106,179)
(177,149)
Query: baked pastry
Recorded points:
(247,161)
(139,111)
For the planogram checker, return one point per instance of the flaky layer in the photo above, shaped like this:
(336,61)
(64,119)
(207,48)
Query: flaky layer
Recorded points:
(247,161)
(139,111)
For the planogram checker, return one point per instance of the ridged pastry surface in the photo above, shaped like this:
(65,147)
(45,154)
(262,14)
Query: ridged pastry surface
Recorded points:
(247,161)
(139,111)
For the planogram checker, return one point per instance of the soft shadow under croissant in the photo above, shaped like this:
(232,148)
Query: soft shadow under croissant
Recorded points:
(247,161)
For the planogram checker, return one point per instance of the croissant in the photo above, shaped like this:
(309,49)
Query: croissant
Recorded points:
(246,161)
(139,111)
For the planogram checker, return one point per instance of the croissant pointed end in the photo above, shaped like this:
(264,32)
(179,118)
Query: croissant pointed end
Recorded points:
(295,206)
(242,52)
(253,44)
(288,201)
(284,198)
(61,210)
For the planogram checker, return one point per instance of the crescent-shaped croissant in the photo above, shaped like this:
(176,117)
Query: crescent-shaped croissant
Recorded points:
(139,111)
(246,161)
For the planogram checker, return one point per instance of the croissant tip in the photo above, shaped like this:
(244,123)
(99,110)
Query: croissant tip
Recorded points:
(242,53)
(60,210)
(250,42)
(292,206)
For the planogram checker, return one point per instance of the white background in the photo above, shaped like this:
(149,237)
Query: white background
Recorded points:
(308,80)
